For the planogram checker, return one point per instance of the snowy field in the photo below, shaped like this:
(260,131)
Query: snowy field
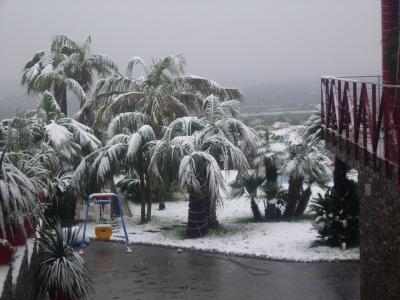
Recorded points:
(239,235)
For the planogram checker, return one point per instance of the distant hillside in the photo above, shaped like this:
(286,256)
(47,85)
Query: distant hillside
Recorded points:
(290,96)
(268,97)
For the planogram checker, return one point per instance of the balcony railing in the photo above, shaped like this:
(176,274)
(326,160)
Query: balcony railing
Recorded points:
(361,117)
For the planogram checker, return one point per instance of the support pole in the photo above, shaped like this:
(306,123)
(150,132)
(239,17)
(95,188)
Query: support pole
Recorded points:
(83,242)
(121,213)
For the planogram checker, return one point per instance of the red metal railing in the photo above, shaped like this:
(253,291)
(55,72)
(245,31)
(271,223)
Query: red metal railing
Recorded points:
(362,119)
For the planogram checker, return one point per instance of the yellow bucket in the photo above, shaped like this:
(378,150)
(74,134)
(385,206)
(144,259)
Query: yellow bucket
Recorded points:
(103,232)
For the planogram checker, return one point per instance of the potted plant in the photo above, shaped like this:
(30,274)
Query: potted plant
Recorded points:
(63,273)
(6,252)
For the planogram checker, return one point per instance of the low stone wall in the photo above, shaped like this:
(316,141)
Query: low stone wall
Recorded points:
(20,281)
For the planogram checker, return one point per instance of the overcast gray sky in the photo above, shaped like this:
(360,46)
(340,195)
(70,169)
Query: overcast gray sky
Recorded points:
(238,43)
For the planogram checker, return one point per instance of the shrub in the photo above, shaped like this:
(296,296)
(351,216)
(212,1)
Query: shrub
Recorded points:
(337,216)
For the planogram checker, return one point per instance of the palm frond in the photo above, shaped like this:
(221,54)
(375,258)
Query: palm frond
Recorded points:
(136,60)
(130,120)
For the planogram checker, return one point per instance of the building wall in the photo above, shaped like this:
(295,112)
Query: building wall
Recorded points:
(380,237)
(379,230)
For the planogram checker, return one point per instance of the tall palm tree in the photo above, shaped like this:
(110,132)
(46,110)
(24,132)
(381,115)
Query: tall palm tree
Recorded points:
(198,169)
(164,93)
(47,72)
(126,150)
(218,127)
(81,64)
(305,164)
(67,66)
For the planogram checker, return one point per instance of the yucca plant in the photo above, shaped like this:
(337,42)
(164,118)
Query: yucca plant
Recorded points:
(62,272)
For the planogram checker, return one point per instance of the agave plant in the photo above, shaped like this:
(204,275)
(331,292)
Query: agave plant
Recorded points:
(62,271)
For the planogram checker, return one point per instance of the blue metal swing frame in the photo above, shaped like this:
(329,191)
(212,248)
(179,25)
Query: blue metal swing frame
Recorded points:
(99,198)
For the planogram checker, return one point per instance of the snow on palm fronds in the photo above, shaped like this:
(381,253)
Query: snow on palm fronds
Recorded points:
(82,135)
(138,140)
(188,174)
(62,271)
(164,94)
(135,61)
(122,151)
(183,126)
(48,108)
(218,121)
(312,132)
(307,163)
(67,66)
(207,87)
(130,120)
(18,194)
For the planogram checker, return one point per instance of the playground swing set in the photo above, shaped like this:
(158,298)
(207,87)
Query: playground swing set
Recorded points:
(103,228)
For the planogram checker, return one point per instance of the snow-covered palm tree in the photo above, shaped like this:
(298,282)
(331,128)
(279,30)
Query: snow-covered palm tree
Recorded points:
(312,132)
(305,165)
(125,150)
(18,195)
(82,65)
(164,93)
(46,146)
(195,161)
(218,127)
(46,71)
(67,66)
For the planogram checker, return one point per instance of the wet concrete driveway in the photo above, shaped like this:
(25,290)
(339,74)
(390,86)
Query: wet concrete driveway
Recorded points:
(161,273)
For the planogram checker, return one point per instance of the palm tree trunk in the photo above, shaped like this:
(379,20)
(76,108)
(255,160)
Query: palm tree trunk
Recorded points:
(142,199)
(304,199)
(199,207)
(197,225)
(339,174)
(149,196)
(213,221)
(270,210)
(294,193)
(271,172)
(255,210)
(61,96)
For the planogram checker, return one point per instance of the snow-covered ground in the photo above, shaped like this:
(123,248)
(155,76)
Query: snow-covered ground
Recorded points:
(238,235)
